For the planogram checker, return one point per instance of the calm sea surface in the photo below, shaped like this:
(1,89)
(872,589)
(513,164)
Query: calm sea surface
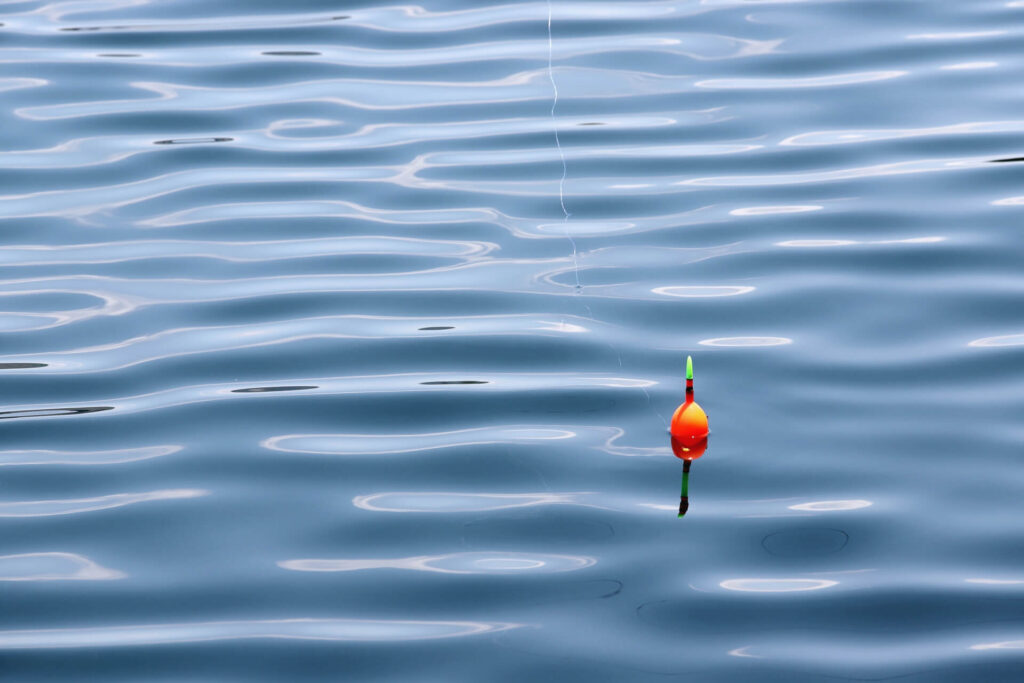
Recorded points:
(339,340)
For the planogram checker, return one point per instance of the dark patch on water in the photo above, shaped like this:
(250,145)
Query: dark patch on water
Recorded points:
(456,381)
(591,123)
(805,542)
(437,327)
(51,412)
(95,28)
(647,606)
(1007,161)
(118,54)
(340,17)
(21,366)
(258,390)
(290,53)
(191,141)
(616,591)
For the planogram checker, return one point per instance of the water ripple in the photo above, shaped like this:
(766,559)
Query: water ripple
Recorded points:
(446,502)
(354,630)
(53,567)
(99,457)
(457,563)
(45,508)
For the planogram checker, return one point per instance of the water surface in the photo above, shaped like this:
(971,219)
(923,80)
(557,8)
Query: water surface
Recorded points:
(339,340)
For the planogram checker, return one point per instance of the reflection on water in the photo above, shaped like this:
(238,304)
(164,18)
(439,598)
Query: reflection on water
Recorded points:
(702,291)
(462,502)
(770,210)
(1004,645)
(97,457)
(45,508)
(368,444)
(53,567)
(456,563)
(1004,340)
(747,341)
(776,585)
(51,412)
(191,141)
(358,630)
(831,505)
(259,390)
(454,381)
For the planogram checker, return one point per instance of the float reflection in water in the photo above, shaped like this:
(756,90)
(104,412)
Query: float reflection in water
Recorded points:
(689,438)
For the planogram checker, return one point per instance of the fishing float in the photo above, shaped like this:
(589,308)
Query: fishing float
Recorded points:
(689,429)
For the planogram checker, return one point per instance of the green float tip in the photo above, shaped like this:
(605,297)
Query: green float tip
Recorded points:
(689,367)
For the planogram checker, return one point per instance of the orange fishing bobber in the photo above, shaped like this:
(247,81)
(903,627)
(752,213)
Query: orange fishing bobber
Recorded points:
(689,422)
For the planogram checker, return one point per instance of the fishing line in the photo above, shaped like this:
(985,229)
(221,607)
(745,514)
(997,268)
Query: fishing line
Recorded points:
(561,153)
(565,210)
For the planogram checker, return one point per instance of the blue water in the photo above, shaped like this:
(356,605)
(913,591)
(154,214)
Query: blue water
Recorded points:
(340,340)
